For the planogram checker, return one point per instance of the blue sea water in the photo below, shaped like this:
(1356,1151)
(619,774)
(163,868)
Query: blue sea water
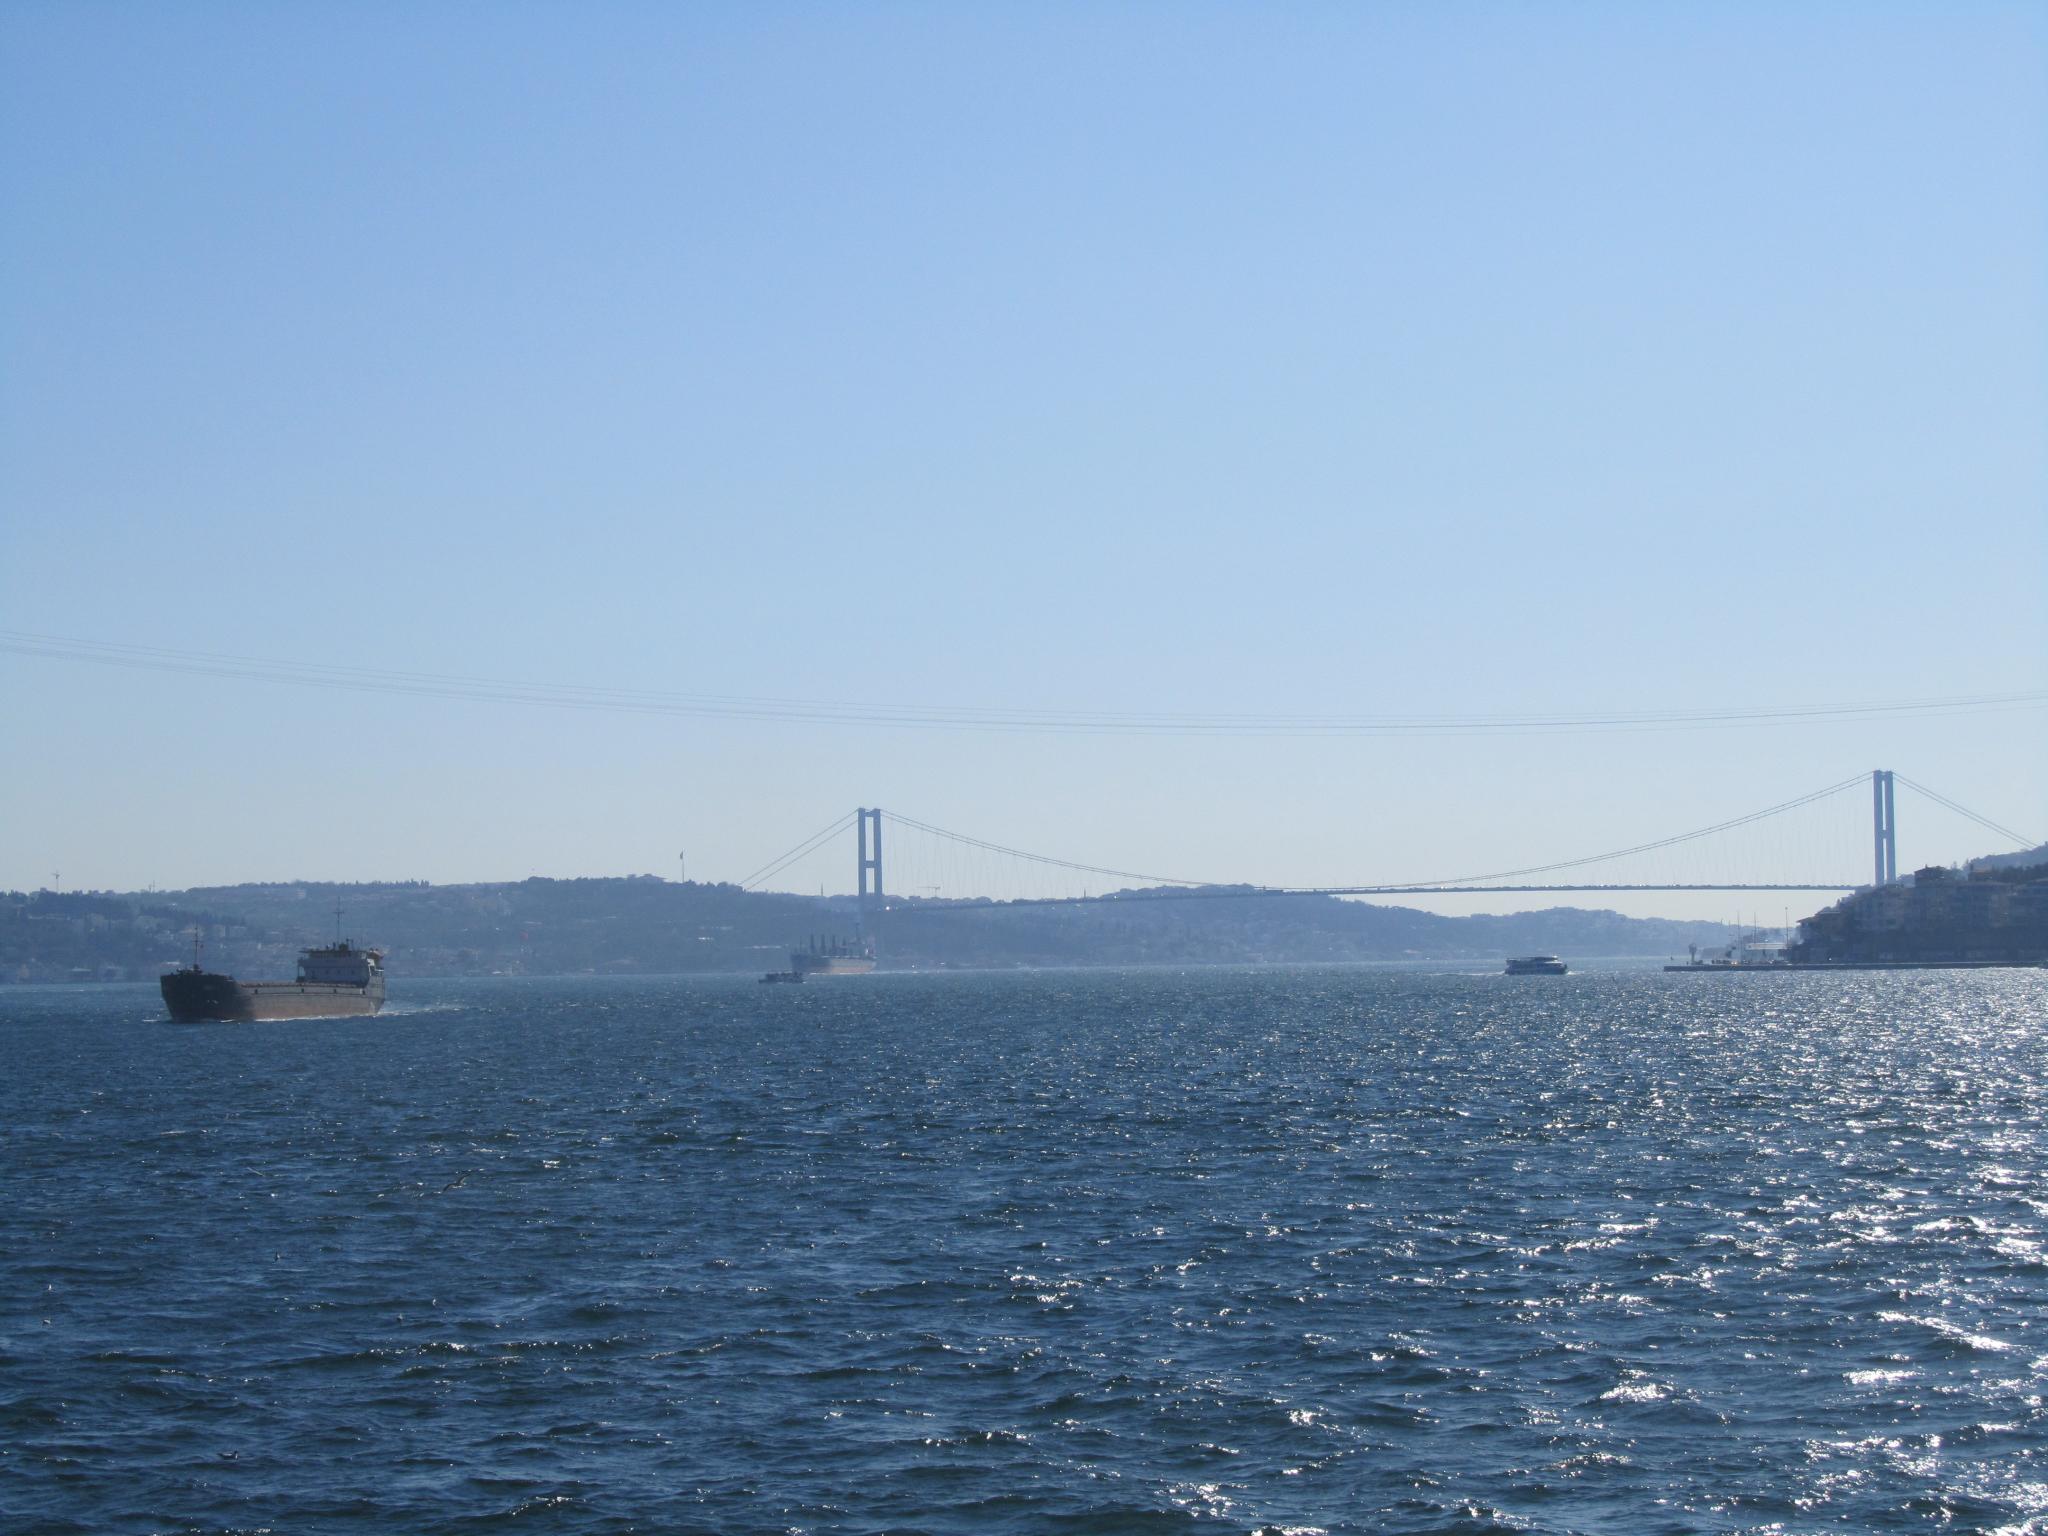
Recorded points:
(1336,1250)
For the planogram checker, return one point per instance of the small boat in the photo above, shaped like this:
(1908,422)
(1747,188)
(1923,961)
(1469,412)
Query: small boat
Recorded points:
(778,976)
(1535,965)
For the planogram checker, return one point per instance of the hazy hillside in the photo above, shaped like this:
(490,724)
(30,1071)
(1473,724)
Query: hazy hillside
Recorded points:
(2026,859)
(644,925)
(1215,926)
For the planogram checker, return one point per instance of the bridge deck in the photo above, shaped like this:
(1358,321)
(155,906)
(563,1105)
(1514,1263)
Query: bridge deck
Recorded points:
(1477,890)
(1246,893)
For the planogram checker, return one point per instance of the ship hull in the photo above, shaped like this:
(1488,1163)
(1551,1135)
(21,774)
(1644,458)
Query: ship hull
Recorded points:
(831,965)
(195,997)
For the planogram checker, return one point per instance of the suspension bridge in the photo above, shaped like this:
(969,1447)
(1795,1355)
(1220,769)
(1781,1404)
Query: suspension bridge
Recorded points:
(931,864)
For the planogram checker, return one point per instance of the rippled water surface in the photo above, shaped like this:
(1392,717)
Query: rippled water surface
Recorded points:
(1318,1250)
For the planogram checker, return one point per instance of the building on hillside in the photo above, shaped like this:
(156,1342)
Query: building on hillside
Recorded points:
(1989,914)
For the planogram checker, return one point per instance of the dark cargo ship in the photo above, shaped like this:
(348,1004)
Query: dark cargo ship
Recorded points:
(335,981)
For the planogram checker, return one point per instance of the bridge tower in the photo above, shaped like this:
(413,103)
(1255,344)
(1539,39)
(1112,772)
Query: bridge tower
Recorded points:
(1884,824)
(870,856)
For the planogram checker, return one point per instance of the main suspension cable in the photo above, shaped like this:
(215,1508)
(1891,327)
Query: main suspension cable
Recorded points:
(1040,858)
(1963,810)
(1662,842)
(808,845)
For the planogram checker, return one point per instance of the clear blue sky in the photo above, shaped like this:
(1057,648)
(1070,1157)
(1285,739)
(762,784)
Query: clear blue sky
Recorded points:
(1383,359)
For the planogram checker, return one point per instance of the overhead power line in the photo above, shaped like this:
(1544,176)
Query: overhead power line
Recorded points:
(801,711)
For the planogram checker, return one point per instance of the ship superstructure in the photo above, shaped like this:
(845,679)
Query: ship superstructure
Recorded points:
(833,957)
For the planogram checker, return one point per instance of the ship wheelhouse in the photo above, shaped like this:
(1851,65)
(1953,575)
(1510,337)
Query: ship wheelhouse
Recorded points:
(340,964)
